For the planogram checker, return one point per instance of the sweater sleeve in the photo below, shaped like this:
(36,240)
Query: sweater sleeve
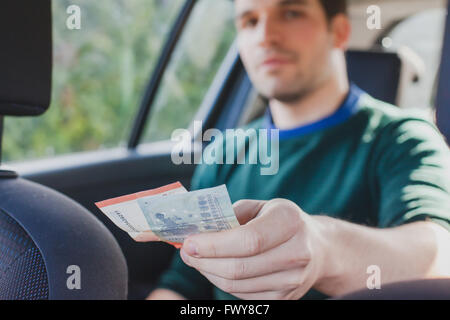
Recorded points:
(413,174)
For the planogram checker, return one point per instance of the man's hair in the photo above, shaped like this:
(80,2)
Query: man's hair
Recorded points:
(334,7)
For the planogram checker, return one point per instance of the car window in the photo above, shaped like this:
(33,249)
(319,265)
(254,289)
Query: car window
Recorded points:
(203,46)
(412,29)
(100,71)
(423,33)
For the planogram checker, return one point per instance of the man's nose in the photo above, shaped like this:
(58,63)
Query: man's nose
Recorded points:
(268,32)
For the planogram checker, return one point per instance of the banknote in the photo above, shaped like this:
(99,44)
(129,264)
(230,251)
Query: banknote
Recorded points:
(171,212)
(178,216)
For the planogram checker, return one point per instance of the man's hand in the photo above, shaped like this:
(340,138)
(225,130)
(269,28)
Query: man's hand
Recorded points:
(276,253)
(280,252)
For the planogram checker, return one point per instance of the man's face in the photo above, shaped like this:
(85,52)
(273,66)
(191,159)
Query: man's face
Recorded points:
(285,45)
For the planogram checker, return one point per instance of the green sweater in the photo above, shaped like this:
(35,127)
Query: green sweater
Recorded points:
(370,163)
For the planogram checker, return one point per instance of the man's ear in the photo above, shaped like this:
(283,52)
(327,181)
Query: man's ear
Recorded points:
(342,30)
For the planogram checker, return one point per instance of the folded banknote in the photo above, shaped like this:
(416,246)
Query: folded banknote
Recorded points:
(171,212)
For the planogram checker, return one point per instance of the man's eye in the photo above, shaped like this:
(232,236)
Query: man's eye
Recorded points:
(292,14)
(250,23)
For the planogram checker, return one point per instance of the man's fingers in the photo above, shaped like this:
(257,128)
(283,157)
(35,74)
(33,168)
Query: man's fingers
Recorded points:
(268,295)
(280,281)
(270,229)
(284,257)
(247,210)
(147,236)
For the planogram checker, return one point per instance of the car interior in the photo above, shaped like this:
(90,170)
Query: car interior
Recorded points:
(48,216)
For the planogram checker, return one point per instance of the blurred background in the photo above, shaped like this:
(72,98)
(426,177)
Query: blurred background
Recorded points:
(101,71)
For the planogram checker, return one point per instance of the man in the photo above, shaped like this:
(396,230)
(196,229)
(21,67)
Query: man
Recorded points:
(360,183)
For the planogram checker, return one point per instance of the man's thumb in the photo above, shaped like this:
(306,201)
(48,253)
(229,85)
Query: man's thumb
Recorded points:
(247,210)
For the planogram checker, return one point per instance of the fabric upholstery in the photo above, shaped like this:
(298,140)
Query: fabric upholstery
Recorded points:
(23,275)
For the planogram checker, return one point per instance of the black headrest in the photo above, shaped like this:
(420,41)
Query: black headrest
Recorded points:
(377,73)
(25,57)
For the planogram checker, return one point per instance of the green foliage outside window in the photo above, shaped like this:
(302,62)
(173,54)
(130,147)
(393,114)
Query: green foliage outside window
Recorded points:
(100,72)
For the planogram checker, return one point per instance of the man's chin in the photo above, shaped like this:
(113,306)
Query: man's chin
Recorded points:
(281,95)
(283,91)
(287,98)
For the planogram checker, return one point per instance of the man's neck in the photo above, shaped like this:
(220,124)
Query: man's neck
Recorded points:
(313,107)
